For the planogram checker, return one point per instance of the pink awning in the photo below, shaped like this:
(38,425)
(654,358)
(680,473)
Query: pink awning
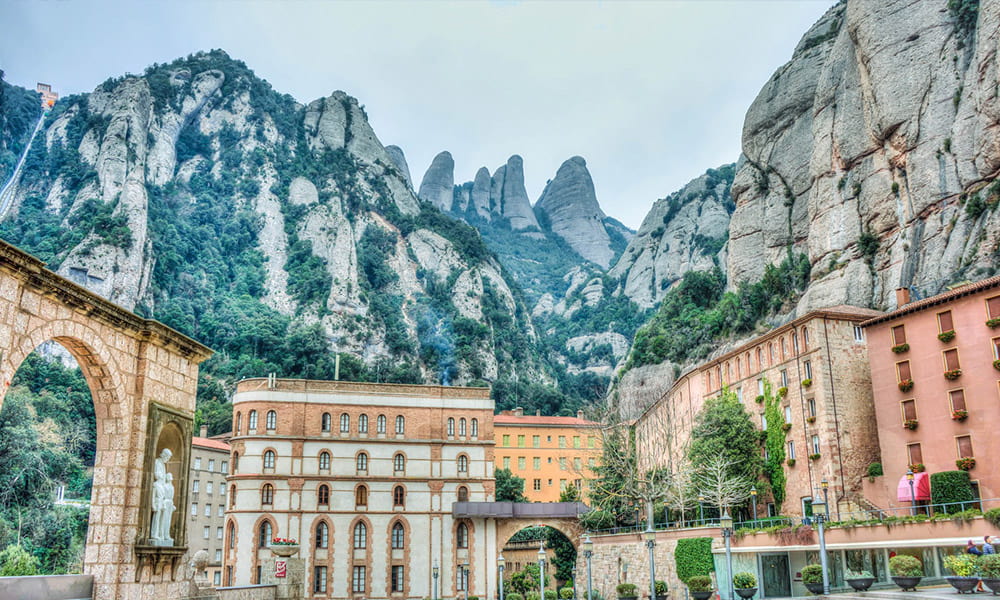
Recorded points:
(921,487)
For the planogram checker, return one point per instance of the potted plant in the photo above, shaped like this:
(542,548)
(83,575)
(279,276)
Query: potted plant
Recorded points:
(745,583)
(810,419)
(786,426)
(959,415)
(807,382)
(860,581)
(812,577)
(759,399)
(814,456)
(993,323)
(963,566)
(700,587)
(965,463)
(284,547)
(918,467)
(900,348)
(947,336)
(989,566)
(532,595)
(661,589)
(996,364)
(906,571)
(782,391)
(514,596)
(911,424)
(549,595)
(566,593)
(906,385)
(626,591)
(790,462)
(953,374)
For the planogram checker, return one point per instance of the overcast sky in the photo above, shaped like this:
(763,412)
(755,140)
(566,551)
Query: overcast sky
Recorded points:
(650,93)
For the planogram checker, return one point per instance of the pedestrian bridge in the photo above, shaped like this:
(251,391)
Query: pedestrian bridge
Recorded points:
(512,517)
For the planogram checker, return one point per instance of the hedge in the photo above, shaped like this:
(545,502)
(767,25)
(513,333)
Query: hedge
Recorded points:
(948,487)
(693,556)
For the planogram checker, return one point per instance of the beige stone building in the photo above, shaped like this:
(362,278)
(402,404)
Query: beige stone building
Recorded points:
(207,513)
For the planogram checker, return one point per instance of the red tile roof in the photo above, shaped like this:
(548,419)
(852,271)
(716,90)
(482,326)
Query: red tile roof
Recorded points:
(209,443)
(543,421)
(918,305)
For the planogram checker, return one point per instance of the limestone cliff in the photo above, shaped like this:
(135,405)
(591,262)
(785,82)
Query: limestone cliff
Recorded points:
(436,186)
(569,207)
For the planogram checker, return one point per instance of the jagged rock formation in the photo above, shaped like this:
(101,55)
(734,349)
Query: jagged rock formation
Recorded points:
(683,232)
(508,197)
(569,207)
(399,161)
(872,150)
(436,186)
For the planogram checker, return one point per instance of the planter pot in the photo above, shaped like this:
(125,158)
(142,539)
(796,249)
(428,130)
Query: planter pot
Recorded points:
(661,597)
(907,583)
(815,588)
(746,592)
(861,584)
(708,594)
(964,585)
(285,550)
(627,597)
(993,584)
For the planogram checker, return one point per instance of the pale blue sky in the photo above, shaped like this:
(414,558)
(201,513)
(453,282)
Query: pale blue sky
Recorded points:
(650,93)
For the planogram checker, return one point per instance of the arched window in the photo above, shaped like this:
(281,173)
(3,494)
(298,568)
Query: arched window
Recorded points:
(361,496)
(739,367)
(252,420)
(360,536)
(463,494)
(399,463)
(264,535)
(770,354)
(345,423)
(362,461)
(461,426)
(463,463)
(462,536)
(475,428)
(784,348)
(760,360)
(400,424)
(324,460)
(269,459)
(398,496)
(451,426)
(398,536)
(236,461)
(239,423)
(323,494)
(267,494)
(232,496)
(380,424)
(795,342)
(326,422)
(231,537)
(805,338)
(322,535)
(272,420)
(363,424)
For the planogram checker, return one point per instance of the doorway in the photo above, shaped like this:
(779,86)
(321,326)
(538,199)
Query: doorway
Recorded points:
(776,578)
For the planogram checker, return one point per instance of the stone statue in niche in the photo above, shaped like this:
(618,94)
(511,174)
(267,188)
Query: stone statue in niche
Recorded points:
(163,501)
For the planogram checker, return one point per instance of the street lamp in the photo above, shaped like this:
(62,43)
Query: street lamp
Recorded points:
(753,502)
(726,522)
(435,571)
(913,495)
(701,508)
(574,582)
(588,552)
(650,536)
(541,571)
(821,516)
(465,578)
(826,496)
(500,565)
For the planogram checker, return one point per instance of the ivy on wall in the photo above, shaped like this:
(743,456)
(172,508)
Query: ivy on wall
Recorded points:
(774,442)
(693,556)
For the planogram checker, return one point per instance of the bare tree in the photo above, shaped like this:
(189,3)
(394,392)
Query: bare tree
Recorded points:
(681,494)
(717,483)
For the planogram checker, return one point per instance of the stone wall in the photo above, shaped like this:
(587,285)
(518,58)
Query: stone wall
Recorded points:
(247,592)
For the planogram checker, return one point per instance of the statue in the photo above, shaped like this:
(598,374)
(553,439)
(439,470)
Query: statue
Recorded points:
(163,501)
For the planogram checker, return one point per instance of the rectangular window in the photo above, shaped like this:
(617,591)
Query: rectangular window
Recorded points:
(739,395)
(506,462)
(358,579)
(537,485)
(218,533)
(208,488)
(760,387)
(217,576)
(211,464)
(915,454)
(591,462)
(898,335)
(562,485)
(811,406)
(944,322)
(521,463)
(791,449)
(205,532)
(815,444)
(763,422)
(859,334)
(194,509)
(218,555)
(592,442)
(506,440)
(964,446)
(993,307)
(808,369)
(197,463)
(536,463)
(520,441)
(319,580)
(784,378)
(257,578)
(577,463)
(950,359)
(397,578)
(996,348)
(903,371)
(536,441)
(194,486)
(222,511)
(562,463)
(225,467)
(957,398)
(909,408)
(208,510)
(576,441)
(562,441)
(788,414)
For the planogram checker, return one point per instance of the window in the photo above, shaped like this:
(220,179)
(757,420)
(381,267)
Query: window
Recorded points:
(400,425)
(770,353)
(451,429)
(252,421)
(791,449)
(269,459)
(462,577)
(506,440)
(760,361)
(205,532)
(221,512)
(805,338)
(239,422)
(576,441)
(197,463)
(271,420)
(520,441)
(208,510)
(323,494)
(397,578)
(267,494)
(358,579)
(322,535)
(562,441)
(225,467)
(324,460)
(398,536)
(319,578)
(506,462)
(463,493)
(784,348)
(915,454)
(739,367)
(795,342)
(345,423)
(562,463)
(536,485)
(577,463)
(996,348)
(236,461)
(591,462)
(909,409)
(808,367)
(232,495)
(591,442)
(398,496)
(760,387)
(461,427)
(363,424)
(788,414)
(399,463)
(194,509)
(784,378)
(815,444)
(362,462)
(859,334)
(195,485)
(463,463)
(957,398)
(462,536)
(208,488)
(361,496)
(763,422)
(211,464)
(232,536)
(360,536)
(898,335)
(945,322)
(993,307)
(536,441)
(903,370)
(475,428)
(964,446)
(325,422)
(739,395)
(562,485)
(950,359)
(536,463)
(521,463)
(380,424)
(264,535)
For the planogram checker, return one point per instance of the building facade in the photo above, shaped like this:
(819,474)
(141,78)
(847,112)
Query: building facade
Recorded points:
(937,385)
(207,513)
(364,477)
(817,365)
(549,453)
(49,98)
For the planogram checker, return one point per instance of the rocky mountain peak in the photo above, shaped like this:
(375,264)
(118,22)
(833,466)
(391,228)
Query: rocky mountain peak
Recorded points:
(436,186)
(509,197)
(569,207)
(399,161)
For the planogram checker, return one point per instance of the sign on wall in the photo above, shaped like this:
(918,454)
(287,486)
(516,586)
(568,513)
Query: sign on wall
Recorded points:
(280,568)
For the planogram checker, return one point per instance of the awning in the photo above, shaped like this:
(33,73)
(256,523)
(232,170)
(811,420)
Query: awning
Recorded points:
(921,488)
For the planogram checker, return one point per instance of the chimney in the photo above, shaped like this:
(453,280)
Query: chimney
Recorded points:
(518,412)
(579,414)
(902,296)
(204,431)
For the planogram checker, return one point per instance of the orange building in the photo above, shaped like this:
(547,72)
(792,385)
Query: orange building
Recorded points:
(49,98)
(549,453)
(936,383)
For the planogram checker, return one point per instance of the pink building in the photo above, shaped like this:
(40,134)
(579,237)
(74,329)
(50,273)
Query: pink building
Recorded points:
(936,385)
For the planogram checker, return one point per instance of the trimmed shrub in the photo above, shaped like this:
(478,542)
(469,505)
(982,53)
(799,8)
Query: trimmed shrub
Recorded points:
(660,586)
(701,583)
(551,595)
(626,590)
(904,565)
(989,564)
(993,516)
(948,487)
(566,593)
(744,580)
(875,470)
(513,596)
(812,573)
(532,595)
(693,557)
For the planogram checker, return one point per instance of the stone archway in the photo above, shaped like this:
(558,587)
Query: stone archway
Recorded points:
(143,378)
(506,528)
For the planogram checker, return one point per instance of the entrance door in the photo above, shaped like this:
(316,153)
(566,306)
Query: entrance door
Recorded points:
(777,579)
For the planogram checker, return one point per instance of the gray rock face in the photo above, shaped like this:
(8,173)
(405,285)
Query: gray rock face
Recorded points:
(509,198)
(439,181)
(481,194)
(570,206)
(399,161)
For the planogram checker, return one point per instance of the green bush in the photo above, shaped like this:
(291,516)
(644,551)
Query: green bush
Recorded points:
(904,565)
(989,565)
(660,586)
(948,487)
(514,596)
(532,595)
(993,516)
(875,469)
(566,593)
(15,561)
(812,574)
(626,590)
(744,580)
(962,565)
(699,583)
(597,519)
(551,595)
(693,557)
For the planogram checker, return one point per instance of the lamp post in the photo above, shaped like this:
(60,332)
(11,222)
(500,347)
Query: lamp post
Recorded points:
(465,578)
(726,522)
(625,572)
(753,503)
(574,582)
(588,552)
(821,516)
(826,496)
(701,509)
(541,571)
(913,495)
(435,571)
(650,536)
(500,565)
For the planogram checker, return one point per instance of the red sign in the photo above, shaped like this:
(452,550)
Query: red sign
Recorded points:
(280,568)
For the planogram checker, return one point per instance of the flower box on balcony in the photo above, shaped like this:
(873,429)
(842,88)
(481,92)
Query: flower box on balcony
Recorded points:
(759,399)
(953,374)
(996,364)
(959,415)
(906,385)
(993,323)
(786,426)
(790,462)
(900,348)
(911,424)
(965,463)
(814,456)
(810,419)
(918,467)
(807,382)
(782,392)
(947,336)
